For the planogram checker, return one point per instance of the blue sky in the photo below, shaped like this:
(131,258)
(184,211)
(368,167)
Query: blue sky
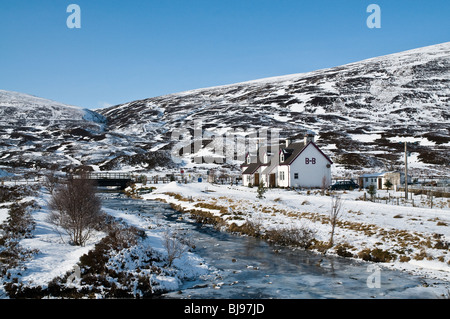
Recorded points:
(129,50)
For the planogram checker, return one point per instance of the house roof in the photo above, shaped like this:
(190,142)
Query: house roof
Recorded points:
(291,152)
(270,167)
(251,168)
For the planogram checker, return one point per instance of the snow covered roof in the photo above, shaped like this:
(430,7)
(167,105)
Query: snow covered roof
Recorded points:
(377,174)
(373,174)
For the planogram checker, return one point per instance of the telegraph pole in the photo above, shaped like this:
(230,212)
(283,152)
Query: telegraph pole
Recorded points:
(406,171)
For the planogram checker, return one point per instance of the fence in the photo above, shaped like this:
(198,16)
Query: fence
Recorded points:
(427,199)
(437,191)
(20,180)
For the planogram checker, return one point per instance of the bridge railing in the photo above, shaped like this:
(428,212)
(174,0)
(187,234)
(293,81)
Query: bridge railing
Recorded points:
(97,176)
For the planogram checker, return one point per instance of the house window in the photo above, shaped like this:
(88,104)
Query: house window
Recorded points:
(295,175)
(310,160)
(282,176)
(282,157)
(248,159)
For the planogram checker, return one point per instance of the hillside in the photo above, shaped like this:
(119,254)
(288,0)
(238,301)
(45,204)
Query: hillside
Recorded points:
(18,107)
(360,111)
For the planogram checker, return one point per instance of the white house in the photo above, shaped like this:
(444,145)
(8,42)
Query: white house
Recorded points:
(296,164)
(379,179)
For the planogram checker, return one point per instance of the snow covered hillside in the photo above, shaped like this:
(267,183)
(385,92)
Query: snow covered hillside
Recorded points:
(20,107)
(360,111)
(40,133)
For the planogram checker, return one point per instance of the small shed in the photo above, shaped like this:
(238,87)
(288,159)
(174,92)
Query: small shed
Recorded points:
(379,179)
(366,180)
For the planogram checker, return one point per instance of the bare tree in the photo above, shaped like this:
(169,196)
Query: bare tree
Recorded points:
(50,181)
(175,246)
(325,185)
(76,209)
(336,206)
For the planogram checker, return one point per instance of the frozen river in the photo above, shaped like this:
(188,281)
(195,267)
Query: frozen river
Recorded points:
(250,268)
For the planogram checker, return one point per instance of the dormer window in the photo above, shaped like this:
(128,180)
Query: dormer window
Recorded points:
(248,159)
(282,157)
(267,157)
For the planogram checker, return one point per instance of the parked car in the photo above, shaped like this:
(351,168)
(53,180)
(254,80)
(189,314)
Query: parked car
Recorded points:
(344,185)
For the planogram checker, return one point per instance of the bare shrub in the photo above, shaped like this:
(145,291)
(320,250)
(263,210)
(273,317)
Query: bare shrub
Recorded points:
(20,223)
(291,236)
(336,207)
(76,209)
(174,245)
(376,255)
(51,181)
(325,185)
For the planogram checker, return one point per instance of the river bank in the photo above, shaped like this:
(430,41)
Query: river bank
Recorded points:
(231,266)
(128,258)
(411,239)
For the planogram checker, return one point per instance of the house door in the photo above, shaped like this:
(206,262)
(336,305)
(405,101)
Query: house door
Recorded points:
(256,179)
(380,185)
(272,180)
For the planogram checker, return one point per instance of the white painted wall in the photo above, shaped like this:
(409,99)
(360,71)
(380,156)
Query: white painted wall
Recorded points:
(246,179)
(371,180)
(311,174)
(283,169)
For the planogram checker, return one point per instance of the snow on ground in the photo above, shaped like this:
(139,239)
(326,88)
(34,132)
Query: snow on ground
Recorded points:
(408,232)
(418,236)
(3,214)
(55,257)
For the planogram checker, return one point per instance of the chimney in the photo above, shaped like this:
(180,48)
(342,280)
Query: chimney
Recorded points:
(309,137)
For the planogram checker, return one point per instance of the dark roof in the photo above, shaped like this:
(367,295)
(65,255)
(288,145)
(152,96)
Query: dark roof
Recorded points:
(251,168)
(291,152)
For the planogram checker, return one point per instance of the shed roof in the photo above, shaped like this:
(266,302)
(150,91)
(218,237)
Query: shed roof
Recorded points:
(373,174)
